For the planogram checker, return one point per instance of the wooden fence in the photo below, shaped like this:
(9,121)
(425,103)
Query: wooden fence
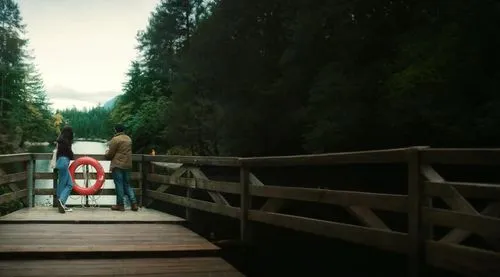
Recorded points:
(424,186)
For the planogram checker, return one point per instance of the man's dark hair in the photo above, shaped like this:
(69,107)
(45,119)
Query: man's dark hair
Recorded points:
(119,128)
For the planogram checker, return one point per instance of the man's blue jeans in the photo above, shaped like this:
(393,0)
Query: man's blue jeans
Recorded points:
(64,184)
(122,186)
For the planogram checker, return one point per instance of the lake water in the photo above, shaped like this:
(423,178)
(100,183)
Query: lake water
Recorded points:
(79,147)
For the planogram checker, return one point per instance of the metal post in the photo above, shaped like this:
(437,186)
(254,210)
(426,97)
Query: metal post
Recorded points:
(86,177)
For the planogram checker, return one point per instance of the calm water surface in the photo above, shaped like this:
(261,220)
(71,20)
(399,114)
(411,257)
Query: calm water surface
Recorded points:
(79,147)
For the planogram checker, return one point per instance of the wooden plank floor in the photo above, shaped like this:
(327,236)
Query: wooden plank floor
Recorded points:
(42,242)
(192,267)
(38,238)
(88,215)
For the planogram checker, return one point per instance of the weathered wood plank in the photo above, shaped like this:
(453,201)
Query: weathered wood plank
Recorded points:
(99,157)
(79,175)
(464,260)
(216,196)
(416,234)
(361,157)
(221,186)
(7,197)
(137,191)
(88,215)
(47,240)
(169,267)
(14,187)
(471,156)
(30,183)
(13,158)
(468,190)
(194,160)
(387,240)
(367,217)
(387,202)
(271,204)
(195,204)
(245,204)
(431,174)
(13,177)
(484,225)
(450,195)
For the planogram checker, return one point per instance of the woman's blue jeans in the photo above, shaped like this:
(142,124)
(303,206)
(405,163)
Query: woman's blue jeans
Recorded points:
(122,186)
(64,184)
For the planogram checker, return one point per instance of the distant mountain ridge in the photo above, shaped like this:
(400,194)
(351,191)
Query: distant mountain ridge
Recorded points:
(110,104)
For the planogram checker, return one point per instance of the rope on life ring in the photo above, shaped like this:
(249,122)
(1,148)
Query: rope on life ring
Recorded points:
(100,175)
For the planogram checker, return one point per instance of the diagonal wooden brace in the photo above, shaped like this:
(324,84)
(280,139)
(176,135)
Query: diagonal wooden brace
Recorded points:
(457,202)
(216,196)
(163,187)
(272,205)
(367,217)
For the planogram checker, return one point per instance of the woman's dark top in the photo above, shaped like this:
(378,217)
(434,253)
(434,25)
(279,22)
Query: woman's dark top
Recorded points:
(64,148)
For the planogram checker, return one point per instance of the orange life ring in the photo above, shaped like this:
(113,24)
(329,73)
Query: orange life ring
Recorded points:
(100,175)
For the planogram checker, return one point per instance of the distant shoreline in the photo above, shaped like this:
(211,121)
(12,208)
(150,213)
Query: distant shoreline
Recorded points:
(46,143)
(92,139)
(29,143)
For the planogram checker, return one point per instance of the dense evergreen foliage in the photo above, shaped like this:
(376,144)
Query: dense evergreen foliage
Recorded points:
(88,123)
(24,109)
(281,77)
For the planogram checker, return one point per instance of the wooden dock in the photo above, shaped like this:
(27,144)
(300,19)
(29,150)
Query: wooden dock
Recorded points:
(99,242)
(440,207)
(88,215)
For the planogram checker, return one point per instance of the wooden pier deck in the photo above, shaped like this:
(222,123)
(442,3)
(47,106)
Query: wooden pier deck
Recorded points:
(41,242)
(440,207)
(88,215)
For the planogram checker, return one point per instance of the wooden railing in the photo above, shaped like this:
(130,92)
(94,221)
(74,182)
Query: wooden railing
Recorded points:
(236,196)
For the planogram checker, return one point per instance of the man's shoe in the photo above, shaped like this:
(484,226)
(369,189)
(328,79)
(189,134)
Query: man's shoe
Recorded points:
(134,207)
(60,206)
(118,208)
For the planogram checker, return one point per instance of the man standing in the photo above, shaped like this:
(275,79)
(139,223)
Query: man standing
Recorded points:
(120,154)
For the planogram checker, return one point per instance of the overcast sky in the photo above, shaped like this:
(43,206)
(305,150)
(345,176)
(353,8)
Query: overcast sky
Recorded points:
(83,48)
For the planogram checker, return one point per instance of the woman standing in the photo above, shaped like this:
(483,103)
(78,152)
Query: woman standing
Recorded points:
(64,155)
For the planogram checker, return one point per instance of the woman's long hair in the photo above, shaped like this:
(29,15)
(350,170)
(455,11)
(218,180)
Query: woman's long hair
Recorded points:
(67,134)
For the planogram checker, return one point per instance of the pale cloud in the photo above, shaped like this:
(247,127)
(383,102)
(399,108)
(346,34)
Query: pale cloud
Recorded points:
(64,97)
(61,104)
(84,48)
(61,92)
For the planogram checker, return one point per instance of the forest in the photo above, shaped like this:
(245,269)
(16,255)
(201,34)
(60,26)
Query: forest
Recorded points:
(268,77)
(25,114)
(275,77)
(93,123)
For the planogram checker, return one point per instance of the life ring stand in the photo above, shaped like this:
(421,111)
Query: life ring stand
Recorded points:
(100,175)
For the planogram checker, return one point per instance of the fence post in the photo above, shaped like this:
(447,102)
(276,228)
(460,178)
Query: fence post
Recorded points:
(141,183)
(29,181)
(416,234)
(244,203)
(54,187)
(143,168)
(189,195)
(34,183)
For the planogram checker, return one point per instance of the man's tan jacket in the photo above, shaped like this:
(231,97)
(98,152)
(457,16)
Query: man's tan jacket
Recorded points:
(120,152)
